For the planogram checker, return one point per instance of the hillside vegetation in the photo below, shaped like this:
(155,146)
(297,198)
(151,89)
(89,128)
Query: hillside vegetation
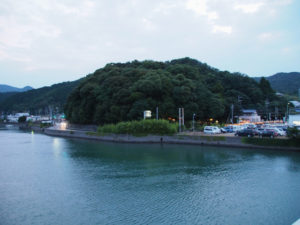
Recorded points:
(288,83)
(121,92)
(38,101)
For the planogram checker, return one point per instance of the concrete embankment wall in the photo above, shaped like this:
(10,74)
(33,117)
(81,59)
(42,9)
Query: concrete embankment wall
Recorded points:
(176,139)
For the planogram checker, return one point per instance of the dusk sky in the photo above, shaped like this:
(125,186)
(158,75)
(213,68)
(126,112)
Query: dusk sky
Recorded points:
(43,42)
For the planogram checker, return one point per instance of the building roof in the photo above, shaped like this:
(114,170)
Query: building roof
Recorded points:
(295,103)
(249,110)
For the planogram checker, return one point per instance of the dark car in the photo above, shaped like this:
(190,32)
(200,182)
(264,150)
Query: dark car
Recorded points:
(258,131)
(245,132)
(269,133)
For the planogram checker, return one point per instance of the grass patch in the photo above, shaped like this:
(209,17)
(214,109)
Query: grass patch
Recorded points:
(272,142)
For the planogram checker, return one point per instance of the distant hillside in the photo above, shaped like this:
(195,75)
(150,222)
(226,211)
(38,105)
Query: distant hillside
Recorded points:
(5,95)
(288,83)
(38,100)
(6,88)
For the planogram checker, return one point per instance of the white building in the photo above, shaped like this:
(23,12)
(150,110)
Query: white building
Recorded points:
(250,115)
(294,120)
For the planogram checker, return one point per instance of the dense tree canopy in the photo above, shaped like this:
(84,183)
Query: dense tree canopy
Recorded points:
(121,92)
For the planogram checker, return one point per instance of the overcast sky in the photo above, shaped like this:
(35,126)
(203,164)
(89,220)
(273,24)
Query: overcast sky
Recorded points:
(43,42)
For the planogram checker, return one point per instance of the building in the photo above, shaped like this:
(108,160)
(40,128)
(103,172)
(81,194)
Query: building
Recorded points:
(293,115)
(249,115)
(296,107)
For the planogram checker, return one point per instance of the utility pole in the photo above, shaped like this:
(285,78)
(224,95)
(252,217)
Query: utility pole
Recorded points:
(232,107)
(276,112)
(182,114)
(267,109)
(181,118)
(194,122)
(287,112)
(156,112)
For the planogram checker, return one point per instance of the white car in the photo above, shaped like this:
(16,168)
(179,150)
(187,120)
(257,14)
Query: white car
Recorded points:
(212,130)
(280,131)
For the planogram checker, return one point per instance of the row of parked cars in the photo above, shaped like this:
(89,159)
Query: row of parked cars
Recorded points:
(262,132)
(249,130)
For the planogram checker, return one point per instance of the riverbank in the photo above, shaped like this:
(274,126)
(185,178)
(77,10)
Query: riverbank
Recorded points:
(222,141)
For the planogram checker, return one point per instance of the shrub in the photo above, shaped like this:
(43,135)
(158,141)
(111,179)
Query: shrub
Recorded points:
(22,119)
(293,132)
(142,127)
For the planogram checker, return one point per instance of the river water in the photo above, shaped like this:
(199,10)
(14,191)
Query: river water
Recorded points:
(51,180)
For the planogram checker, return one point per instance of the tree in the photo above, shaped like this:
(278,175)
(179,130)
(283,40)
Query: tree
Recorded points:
(22,119)
(266,88)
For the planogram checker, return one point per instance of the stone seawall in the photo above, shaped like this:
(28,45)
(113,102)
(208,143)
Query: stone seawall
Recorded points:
(176,139)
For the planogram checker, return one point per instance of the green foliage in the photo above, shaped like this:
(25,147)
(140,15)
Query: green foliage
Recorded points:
(121,92)
(142,127)
(266,89)
(22,119)
(45,125)
(39,100)
(293,132)
(287,83)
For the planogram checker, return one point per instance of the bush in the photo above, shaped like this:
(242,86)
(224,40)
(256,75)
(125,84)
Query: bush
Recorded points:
(142,127)
(293,132)
(22,119)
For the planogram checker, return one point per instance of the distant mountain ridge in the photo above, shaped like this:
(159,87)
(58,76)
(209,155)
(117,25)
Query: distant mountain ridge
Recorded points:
(288,83)
(6,88)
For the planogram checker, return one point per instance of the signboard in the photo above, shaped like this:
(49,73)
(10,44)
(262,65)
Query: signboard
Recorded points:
(147,114)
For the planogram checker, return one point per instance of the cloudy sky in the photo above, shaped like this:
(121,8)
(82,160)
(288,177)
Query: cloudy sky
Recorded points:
(43,42)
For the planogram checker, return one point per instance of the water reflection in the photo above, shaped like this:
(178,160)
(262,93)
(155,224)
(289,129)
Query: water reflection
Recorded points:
(50,180)
(190,159)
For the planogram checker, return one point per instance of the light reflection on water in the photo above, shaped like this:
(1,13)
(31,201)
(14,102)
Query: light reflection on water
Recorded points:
(50,180)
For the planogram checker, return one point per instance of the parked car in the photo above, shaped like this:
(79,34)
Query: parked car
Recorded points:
(260,130)
(257,131)
(271,133)
(251,126)
(245,132)
(227,129)
(224,130)
(230,129)
(212,130)
(280,131)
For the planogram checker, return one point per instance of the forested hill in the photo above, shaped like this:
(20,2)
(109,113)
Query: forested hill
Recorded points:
(121,92)
(288,83)
(38,101)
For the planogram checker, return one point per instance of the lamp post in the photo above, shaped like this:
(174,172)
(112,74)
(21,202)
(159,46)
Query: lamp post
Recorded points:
(194,122)
(287,112)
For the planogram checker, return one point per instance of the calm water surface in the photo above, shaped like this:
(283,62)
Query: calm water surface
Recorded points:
(50,180)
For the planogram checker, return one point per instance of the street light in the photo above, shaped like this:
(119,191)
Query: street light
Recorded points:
(287,112)
(194,122)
